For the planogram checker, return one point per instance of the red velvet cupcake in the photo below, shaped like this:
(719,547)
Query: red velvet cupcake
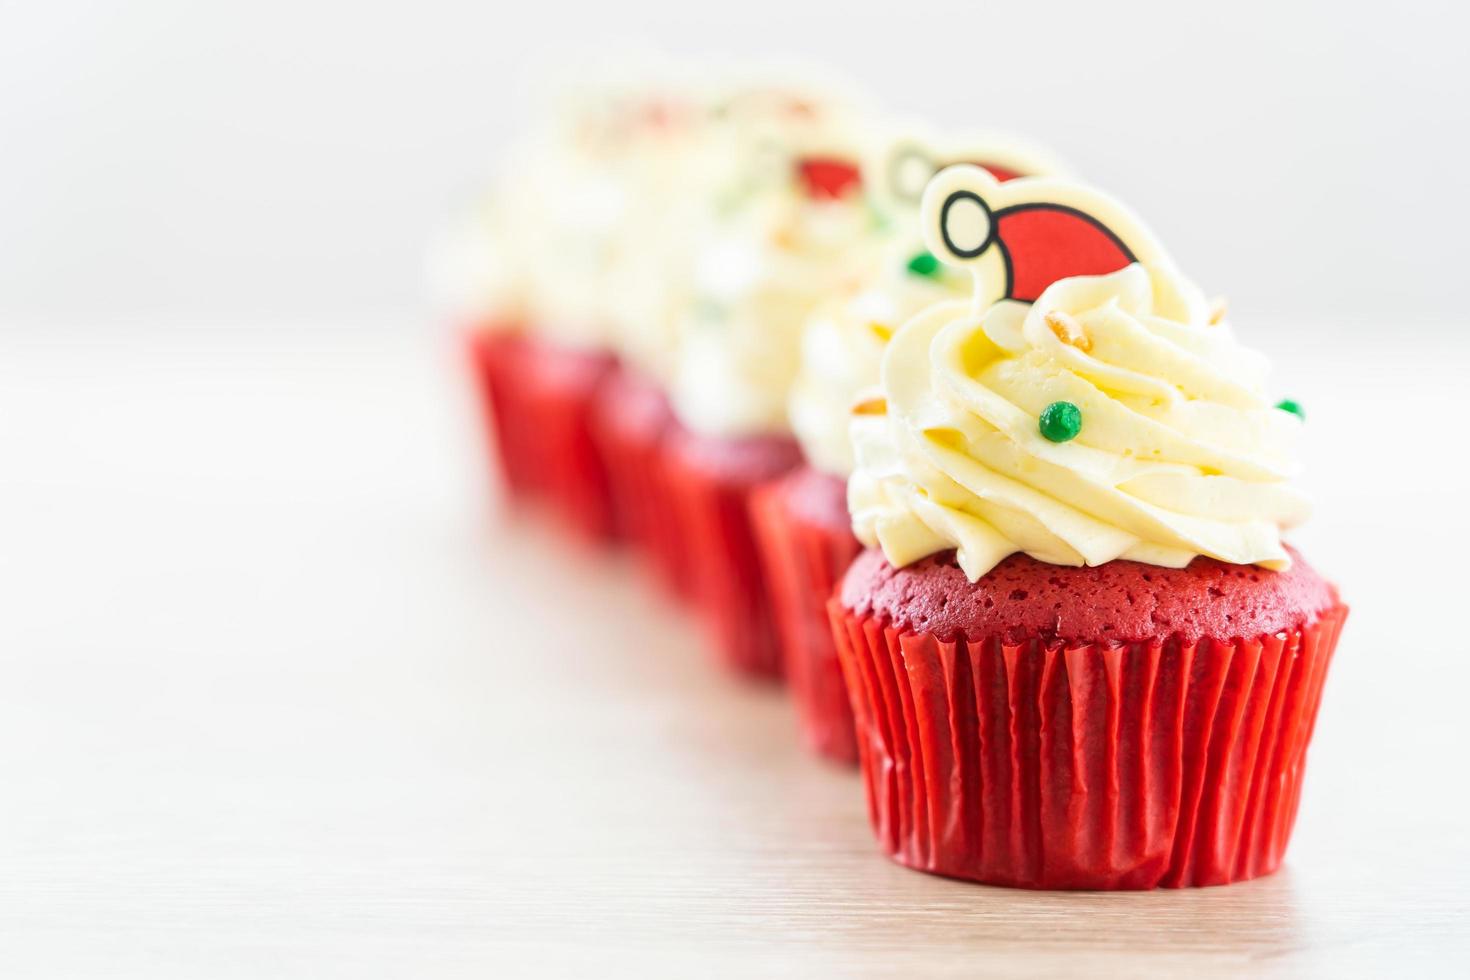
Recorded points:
(794,228)
(711,481)
(806,534)
(495,358)
(481,282)
(1123,726)
(806,541)
(539,253)
(806,538)
(538,401)
(631,422)
(644,298)
(556,392)
(1079,653)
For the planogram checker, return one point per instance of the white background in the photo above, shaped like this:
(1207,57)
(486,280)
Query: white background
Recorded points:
(288,159)
(276,696)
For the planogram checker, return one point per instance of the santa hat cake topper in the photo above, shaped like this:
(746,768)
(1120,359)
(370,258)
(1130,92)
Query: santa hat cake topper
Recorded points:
(813,153)
(790,129)
(827,177)
(1019,237)
(910,161)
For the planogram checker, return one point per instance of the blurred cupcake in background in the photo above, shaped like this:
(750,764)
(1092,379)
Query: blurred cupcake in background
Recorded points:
(1079,653)
(803,527)
(576,180)
(532,269)
(669,172)
(789,226)
(478,275)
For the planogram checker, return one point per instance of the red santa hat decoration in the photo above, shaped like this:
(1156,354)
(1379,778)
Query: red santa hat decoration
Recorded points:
(912,160)
(1021,236)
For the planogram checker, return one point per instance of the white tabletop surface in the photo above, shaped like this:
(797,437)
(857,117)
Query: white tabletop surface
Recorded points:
(283,695)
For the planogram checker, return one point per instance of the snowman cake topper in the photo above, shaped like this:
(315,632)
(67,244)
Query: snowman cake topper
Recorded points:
(1019,237)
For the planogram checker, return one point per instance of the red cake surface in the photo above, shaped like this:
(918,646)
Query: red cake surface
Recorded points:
(1121,601)
(629,403)
(748,460)
(818,498)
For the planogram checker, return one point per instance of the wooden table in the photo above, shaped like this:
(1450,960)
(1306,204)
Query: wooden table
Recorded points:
(283,694)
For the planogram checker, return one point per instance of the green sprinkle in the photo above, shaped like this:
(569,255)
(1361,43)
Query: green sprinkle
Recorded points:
(924,264)
(1287,405)
(1061,421)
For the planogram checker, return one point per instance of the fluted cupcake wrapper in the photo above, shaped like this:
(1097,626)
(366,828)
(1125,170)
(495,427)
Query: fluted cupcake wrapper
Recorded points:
(630,423)
(1035,764)
(804,562)
(730,588)
(495,358)
(552,424)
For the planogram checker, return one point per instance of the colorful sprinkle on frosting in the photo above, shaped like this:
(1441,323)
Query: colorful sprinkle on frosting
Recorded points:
(1061,421)
(924,264)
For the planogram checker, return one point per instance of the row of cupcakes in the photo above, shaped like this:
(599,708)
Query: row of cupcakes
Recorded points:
(758,330)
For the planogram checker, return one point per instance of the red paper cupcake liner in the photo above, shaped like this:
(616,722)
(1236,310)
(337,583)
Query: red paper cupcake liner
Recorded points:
(711,482)
(805,557)
(495,356)
(1038,765)
(631,420)
(551,419)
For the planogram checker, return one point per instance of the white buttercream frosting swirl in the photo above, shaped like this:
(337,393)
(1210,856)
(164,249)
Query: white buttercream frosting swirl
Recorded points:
(755,286)
(1180,452)
(780,240)
(842,347)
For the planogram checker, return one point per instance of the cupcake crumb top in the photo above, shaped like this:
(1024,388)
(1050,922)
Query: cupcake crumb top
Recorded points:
(1119,602)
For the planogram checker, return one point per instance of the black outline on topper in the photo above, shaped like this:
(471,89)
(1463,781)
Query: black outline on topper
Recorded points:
(967,253)
(994,237)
